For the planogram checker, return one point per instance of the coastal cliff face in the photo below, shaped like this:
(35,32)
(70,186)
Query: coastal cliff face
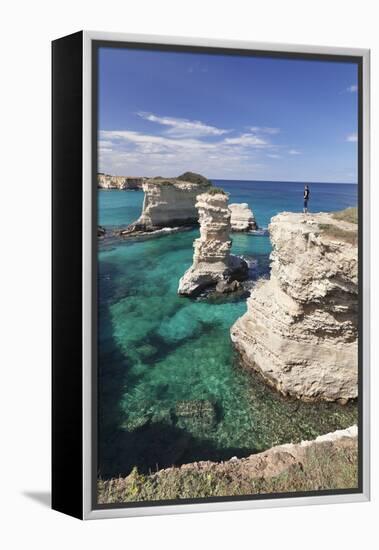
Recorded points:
(170,202)
(105,181)
(242,218)
(212,261)
(300,329)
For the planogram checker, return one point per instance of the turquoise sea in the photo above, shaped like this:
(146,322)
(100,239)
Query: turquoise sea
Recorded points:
(171,389)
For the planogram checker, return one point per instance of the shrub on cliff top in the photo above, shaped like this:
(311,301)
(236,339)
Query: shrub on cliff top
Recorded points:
(192,177)
(216,191)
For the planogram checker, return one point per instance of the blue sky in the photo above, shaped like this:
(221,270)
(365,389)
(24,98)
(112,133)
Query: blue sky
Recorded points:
(227,117)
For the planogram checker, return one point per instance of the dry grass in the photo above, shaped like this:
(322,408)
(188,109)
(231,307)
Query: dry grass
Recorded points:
(347,215)
(338,233)
(325,467)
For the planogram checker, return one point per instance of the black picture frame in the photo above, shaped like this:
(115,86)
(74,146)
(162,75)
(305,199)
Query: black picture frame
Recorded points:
(70,444)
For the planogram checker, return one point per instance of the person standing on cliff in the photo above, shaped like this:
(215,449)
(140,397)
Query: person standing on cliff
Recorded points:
(306,199)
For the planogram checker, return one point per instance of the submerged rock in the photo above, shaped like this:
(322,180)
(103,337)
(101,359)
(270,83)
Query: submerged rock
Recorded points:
(170,202)
(212,261)
(300,330)
(242,218)
(100,231)
(195,415)
(228,285)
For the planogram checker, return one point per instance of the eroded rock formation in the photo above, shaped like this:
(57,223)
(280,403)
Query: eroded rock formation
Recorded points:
(105,181)
(242,218)
(170,202)
(300,329)
(212,261)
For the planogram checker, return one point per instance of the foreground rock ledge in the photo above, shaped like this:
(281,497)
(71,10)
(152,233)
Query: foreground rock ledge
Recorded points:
(328,462)
(212,262)
(300,329)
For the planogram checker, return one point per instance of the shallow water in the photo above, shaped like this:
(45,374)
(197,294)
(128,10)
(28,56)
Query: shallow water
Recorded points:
(171,389)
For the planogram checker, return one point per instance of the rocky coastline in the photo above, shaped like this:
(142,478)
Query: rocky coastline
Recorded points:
(213,264)
(300,330)
(299,333)
(106,181)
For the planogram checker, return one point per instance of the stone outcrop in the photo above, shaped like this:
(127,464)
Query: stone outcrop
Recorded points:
(170,202)
(212,261)
(300,329)
(105,181)
(242,218)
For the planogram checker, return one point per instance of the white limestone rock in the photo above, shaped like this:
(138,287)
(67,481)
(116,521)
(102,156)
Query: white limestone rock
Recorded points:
(170,202)
(212,261)
(106,181)
(242,218)
(300,330)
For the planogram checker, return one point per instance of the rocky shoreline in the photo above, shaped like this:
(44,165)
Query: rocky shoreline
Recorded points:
(130,183)
(299,333)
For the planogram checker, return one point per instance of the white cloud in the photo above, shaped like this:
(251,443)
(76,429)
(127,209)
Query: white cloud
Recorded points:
(273,156)
(264,130)
(183,127)
(353,138)
(294,152)
(246,140)
(144,154)
(352,89)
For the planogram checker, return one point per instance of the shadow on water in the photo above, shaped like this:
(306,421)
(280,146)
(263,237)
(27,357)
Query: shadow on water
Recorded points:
(157,446)
(154,444)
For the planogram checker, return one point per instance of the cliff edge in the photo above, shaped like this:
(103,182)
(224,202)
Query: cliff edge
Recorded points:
(300,329)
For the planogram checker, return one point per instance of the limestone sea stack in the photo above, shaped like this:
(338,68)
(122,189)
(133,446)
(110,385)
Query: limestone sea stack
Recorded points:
(212,261)
(170,202)
(242,218)
(105,181)
(300,329)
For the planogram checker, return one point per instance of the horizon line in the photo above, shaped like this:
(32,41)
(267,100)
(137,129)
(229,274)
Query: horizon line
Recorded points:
(292,181)
(305,181)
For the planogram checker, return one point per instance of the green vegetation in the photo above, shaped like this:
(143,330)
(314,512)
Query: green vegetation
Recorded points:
(216,191)
(338,233)
(325,467)
(347,215)
(192,177)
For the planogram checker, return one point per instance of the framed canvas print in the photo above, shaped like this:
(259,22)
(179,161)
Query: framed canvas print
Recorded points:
(210,275)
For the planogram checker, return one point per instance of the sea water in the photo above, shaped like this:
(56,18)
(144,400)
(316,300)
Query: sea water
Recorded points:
(170,386)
